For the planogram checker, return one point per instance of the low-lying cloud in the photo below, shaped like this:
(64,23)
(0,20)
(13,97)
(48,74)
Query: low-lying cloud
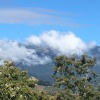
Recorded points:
(26,53)
(12,50)
(65,43)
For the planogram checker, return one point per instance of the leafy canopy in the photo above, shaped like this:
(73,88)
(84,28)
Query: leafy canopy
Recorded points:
(76,77)
(16,85)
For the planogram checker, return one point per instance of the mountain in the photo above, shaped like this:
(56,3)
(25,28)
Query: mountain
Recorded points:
(38,60)
(41,71)
(44,71)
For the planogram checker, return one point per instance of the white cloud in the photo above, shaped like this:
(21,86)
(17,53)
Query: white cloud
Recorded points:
(35,16)
(34,40)
(11,50)
(65,43)
(21,16)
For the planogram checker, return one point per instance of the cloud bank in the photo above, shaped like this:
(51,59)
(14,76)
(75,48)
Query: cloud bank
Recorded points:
(63,43)
(12,50)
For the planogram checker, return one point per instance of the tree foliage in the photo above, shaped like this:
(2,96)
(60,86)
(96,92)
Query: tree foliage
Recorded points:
(16,85)
(76,78)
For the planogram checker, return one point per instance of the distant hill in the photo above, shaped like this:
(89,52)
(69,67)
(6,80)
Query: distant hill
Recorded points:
(38,60)
(44,72)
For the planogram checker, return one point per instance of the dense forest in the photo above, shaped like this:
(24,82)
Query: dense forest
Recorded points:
(74,77)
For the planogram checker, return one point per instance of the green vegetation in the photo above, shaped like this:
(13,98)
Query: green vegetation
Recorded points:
(16,85)
(75,80)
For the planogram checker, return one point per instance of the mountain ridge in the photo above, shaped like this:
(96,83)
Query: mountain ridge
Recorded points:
(44,72)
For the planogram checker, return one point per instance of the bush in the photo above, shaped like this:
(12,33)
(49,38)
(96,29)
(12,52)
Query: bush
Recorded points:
(16,85)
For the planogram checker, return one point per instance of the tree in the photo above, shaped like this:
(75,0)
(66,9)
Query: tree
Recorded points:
(75,77)
(17,85)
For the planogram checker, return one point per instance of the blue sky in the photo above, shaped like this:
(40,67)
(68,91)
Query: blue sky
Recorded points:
(21,18)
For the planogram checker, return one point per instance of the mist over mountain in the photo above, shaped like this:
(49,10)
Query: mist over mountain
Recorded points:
(37,53)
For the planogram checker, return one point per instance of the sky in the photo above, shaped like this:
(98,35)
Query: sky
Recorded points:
(65,26)
(20,19)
